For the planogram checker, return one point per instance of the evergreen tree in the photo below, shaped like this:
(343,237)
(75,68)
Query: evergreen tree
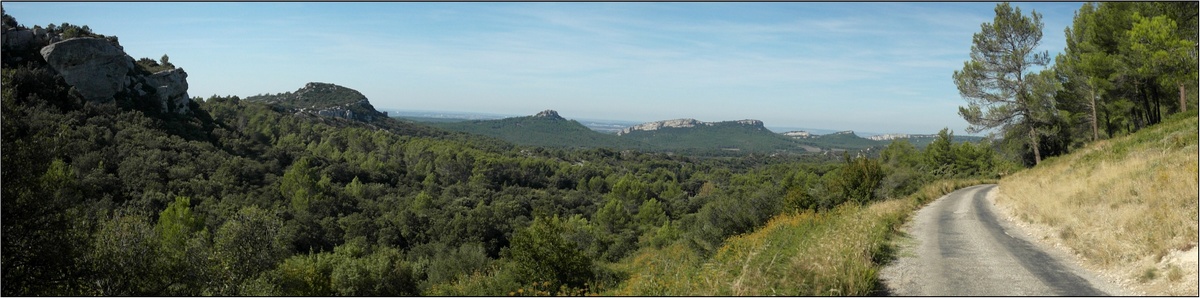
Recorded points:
(1000,83)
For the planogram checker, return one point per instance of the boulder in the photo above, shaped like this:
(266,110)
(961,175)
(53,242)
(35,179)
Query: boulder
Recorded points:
(95,67)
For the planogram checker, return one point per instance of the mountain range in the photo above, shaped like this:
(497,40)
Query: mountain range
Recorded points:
(335,103)
(549,129)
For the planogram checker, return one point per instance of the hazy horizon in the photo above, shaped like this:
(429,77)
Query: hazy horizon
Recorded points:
(871,67)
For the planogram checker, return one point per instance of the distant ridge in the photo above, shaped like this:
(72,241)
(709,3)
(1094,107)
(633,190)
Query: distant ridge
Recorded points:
(546,129)
(692,135)
(550,129)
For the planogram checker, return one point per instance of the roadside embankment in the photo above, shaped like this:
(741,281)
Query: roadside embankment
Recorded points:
(1126,206)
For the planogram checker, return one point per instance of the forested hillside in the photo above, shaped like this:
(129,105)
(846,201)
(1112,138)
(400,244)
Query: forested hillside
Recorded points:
(121,184)
(249,197)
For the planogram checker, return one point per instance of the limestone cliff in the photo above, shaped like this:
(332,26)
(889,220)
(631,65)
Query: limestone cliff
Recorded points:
(685,123)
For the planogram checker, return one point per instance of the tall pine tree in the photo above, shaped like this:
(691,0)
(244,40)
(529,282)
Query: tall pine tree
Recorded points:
(1000,83)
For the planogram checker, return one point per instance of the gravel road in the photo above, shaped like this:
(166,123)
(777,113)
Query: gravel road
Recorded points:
(957,246)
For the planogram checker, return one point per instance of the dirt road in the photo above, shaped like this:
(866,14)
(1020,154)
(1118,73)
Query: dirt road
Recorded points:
(957,246)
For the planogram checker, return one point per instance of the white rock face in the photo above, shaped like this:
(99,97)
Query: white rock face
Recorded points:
(650,126)
(797,134)
(888,137)
(683,123)
(750,122)
(893,136)
(95,67)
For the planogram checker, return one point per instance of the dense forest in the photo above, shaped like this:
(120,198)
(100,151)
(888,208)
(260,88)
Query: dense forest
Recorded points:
(242,197)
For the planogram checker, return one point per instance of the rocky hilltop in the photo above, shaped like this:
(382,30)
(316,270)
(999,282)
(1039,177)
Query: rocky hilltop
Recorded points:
(99,69)
(686,122)
(551,114)
(324,99)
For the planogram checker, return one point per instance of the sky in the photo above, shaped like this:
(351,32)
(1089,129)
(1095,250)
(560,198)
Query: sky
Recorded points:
(874,67)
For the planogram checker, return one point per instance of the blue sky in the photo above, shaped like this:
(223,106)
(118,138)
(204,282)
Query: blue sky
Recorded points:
(876,67)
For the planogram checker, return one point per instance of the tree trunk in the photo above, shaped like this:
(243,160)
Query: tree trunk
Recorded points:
(1182,98)
(1037,153)
(1145,101)
(1095,132)
(1108,126)
(1156,95)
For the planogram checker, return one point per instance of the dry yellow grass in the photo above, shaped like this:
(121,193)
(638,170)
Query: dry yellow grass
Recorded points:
(1122,205)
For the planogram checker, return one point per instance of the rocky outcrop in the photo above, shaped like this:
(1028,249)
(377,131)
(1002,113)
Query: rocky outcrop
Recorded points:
(750,122)
(361,111)
(171,87)
(651,126)
(684,123)
(95,67)
(99,70)
(552,114)
(18,39)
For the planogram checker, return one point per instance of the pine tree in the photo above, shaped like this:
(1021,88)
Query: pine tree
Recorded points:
(1000,84)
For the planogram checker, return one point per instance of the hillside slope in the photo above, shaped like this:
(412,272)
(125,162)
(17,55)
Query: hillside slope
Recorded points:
(740,136)
(1126,206)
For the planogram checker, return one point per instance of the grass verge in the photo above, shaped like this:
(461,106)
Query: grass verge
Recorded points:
(838,252)
(1122,204)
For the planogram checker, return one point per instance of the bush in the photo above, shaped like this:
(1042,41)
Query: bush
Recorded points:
(542,254)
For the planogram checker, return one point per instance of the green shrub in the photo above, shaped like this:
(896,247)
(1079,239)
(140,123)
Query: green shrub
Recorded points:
(541,253)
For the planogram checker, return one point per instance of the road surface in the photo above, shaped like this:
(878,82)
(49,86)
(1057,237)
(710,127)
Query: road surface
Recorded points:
(957,246)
